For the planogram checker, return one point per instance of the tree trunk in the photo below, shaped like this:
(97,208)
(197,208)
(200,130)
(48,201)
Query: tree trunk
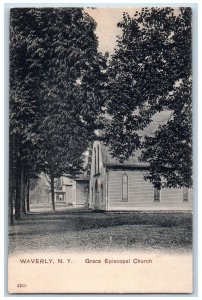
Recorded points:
(23,187)
(11,192)
(11,180)
(52,193)
(18,168)
(18,204)
(27,196)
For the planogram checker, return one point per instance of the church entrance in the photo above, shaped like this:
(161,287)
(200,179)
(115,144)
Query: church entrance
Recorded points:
(96,195)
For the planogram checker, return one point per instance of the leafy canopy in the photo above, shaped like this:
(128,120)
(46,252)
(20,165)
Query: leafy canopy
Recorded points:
(56,86)
(151,72)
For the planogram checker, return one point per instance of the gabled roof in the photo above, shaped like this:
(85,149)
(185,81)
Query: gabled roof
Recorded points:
(133,161)
(109,160)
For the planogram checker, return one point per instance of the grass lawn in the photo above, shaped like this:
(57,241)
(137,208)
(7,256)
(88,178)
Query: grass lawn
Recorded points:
(84,231)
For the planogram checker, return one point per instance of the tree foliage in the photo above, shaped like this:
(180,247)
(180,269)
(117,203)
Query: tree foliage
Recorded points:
(149,72)
(53,101)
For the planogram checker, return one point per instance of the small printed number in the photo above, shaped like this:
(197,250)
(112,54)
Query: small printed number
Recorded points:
(21,285)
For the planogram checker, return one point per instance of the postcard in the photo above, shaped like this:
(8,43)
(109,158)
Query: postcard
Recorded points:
(100,150)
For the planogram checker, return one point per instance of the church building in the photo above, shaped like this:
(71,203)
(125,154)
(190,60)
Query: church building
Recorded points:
(116,186)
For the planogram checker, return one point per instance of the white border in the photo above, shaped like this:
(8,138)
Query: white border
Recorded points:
(3,132)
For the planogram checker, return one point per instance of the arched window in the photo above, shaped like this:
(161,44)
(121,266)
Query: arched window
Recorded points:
(95,160)
(98,159)
(102,195)
(96,193)
(92,194)
(156,195)
(185,194)
(96,186)
(125,187)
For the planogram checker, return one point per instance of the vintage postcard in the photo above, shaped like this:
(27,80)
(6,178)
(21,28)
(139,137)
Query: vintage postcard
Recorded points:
(100,150)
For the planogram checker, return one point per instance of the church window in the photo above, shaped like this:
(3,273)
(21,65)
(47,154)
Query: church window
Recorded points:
(156,195)
(95,160)
(92,195)
(102,194)
(98,159)
(185,194)
(125,188)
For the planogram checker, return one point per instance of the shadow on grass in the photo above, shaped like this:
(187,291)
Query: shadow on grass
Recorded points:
(93,230)
(63,221)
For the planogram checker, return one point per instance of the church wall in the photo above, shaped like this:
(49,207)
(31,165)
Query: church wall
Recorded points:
(141,194)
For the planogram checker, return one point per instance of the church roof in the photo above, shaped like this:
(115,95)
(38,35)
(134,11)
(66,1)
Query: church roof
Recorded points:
(133,161)
(109,160)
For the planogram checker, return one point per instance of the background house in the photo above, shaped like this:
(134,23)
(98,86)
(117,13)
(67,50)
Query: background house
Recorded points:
(68,193)
(72,192)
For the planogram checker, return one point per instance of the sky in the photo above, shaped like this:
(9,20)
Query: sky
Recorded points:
(107,30)
(107,19)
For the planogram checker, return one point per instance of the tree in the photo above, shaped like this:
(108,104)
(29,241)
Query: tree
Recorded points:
(25,77)
(53,103)
(71,96)
(151,72)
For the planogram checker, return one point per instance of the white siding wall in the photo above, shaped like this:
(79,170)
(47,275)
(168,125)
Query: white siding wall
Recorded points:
(69,194)
(81,193)
(141,194)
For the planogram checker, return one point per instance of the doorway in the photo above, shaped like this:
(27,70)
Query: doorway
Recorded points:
(96,195)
